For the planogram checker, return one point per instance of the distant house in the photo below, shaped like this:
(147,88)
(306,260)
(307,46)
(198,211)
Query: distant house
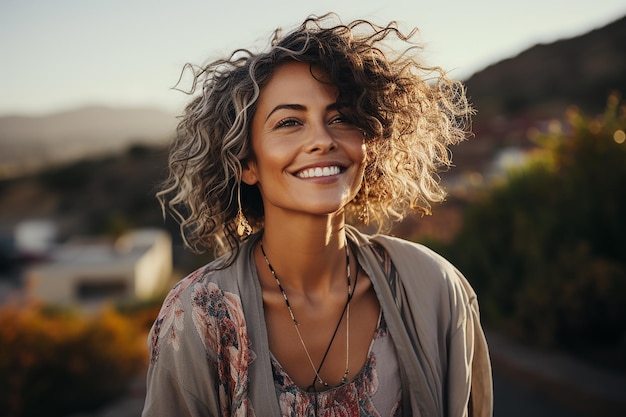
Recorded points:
(136,266)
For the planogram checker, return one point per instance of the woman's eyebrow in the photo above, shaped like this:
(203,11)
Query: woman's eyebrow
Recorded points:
(300,107)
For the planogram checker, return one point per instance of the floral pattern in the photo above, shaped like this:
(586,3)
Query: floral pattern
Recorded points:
(351,400)
(219,320)
(169,323)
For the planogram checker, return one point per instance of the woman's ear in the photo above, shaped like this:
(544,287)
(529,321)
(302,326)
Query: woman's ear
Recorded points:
(249,172)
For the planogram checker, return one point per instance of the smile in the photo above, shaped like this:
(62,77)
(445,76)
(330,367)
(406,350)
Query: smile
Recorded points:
(319,172)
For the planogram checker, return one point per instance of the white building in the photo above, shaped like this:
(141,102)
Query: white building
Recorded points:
(35,236)
(136,266)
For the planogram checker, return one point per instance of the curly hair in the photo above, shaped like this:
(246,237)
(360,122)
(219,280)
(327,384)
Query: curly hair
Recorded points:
(408,112)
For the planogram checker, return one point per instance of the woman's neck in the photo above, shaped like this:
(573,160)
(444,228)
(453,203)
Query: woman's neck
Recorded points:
(308,254)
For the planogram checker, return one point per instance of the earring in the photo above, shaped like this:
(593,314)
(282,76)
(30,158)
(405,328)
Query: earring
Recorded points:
(243,227)
(364,216)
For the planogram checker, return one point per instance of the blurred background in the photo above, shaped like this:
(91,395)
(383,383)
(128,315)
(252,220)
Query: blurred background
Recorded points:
(535,216)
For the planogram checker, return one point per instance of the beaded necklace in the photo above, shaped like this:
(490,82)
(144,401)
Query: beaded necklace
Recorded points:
(346,312)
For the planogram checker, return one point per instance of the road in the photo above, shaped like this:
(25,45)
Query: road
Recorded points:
(534,382)
(512,399)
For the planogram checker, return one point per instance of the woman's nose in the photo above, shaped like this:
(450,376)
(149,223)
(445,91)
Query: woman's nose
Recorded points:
(320,139)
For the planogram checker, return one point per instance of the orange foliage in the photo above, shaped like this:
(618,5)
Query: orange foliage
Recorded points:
(63,362)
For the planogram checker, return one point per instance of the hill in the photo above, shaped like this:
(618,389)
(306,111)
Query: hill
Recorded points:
(528,90)
(541,82)
(98,195)
(31,142)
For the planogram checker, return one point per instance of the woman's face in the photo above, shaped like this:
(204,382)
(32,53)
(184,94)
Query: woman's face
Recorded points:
(308,157)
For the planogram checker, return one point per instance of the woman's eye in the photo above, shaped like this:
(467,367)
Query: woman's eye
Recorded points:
(287,123)
(341,119)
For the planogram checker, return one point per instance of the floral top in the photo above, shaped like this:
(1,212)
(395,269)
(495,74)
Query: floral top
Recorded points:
(375,391)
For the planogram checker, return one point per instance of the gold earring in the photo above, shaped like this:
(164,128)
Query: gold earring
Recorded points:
(365,209)
(243,227)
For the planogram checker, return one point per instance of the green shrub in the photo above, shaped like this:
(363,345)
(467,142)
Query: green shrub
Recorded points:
(545,249)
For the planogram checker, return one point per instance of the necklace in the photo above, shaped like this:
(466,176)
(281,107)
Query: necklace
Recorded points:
(346,312)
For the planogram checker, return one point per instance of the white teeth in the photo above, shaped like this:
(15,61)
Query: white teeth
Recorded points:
(319,172)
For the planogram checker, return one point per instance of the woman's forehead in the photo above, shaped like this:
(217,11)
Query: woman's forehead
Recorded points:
(297,81)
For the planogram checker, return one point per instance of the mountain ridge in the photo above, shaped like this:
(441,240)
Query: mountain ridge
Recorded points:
(30,143)
(547,77)
(140,121)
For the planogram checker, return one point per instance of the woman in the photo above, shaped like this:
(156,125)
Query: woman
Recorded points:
(304,315)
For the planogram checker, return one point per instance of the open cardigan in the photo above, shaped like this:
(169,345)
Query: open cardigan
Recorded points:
(209,347)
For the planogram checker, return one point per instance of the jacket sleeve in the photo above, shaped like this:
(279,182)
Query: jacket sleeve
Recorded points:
(181,378)
(481,396)
(470,388)
(167,396)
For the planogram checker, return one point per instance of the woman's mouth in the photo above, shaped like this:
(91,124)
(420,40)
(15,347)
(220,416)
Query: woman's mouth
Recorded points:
(318,172)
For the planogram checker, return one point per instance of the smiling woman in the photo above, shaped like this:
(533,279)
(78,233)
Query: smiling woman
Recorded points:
(308,316)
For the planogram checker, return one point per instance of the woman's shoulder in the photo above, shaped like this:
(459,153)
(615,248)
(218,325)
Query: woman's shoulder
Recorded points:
(425,266)
(215,272)
(419,267)
(411,251)
(403,251)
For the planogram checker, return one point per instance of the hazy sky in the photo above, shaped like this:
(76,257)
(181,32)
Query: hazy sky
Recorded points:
(62,54)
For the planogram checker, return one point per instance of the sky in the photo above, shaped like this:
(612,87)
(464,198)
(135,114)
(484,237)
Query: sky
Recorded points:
(58,55)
